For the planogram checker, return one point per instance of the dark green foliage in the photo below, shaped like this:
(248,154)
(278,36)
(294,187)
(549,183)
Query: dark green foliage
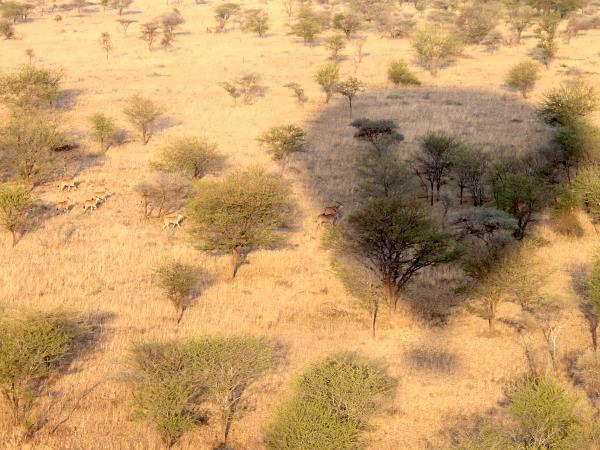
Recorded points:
(469,166)
(33,347)
(488,225)
(31,87)
(190,156)
(398,239)
(578,142)
(399,73)
(16,204)
(178,281)
(244,211)
(432,164)
(283,141)
(381,134)
(586,187)
(522,196)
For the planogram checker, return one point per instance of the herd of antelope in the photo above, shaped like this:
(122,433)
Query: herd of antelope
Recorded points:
(330,215)
(65,206)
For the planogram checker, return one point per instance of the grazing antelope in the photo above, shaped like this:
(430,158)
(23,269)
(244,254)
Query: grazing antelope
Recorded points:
(102,195)
(68,184)
(90,204)
(326,218)
(172,220)
(62,207)
(333,209)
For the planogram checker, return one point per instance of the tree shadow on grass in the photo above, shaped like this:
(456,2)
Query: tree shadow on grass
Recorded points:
(500,124)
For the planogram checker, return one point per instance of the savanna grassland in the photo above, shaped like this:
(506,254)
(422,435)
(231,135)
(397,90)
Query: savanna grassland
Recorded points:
(449,368)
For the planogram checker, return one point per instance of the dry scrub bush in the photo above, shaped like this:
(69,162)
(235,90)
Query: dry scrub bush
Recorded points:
(189,156)
(32,350)
(162,195)
(242,212)
(592,299)
(16,206)
(143,113)
(283,141)
(578,143)
(246,87)
(149,33)
(349,23)
(121,5)
(520,17)
(334,401)
(297,90)
(435,48)
(399,73)
(31,87)
(476,21)
(587,372)
(7,29)
(171,381)
(224,13)
(522,76)
(103,130)
(546,33)
(469,166)
(335,44)
(178,281)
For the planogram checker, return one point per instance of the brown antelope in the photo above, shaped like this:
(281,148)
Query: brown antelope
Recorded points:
(62,207)
(68,184)
(90,204)
(333,209)
(326,218)
(172,220)
(102,195)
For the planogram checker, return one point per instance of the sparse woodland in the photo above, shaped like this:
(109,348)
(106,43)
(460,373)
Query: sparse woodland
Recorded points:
(300,225)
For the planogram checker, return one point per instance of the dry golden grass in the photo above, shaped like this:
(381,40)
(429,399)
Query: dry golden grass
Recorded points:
(102,262)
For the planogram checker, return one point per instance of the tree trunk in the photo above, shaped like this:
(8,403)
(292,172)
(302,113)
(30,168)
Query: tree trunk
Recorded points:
(594,330)
(374,313)
(350,101)
(14,237)
(236,256)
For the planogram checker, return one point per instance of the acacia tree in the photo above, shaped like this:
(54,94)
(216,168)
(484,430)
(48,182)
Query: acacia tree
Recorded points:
(307,26)
(33,347)
(143,113)
(469,166)
(149,33)
(434,48)
(224,12)
(349,89)
(327,77)
(523,76)
(519,19)
(335,44)
(398,239)
(103,129)
(593,302)
(178,281)
(191,156)
(16,204)
(27,144)
(283,141)
(30,88)
(433,163)
(242,212)
(381,134)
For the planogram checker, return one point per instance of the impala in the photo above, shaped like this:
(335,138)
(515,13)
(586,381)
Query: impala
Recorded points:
(172,220)
(102,195)
(326,218)
(333,209)
(68,184)
(90,204)
(62,207)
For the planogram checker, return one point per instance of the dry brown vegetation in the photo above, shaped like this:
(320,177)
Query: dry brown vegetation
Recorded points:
(103,263)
